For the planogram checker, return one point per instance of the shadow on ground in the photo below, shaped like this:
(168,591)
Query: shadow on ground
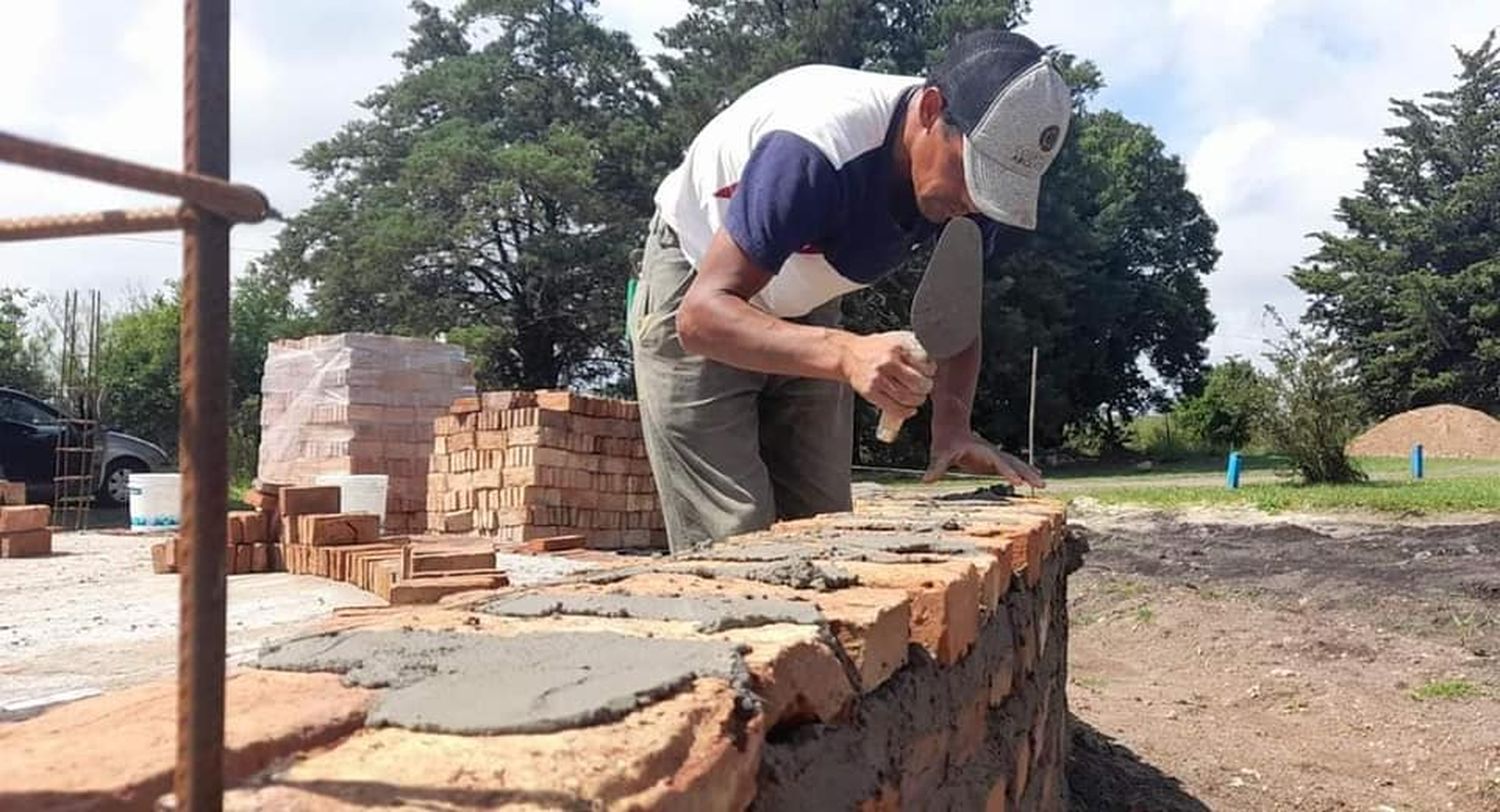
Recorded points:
(1106,776)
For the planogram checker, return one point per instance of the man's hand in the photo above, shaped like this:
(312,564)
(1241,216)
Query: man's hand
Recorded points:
(972,454)
(889,370)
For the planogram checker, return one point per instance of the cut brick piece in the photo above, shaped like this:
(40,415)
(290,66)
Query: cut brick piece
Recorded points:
(553,544)
(945,599)
(26,544)
(244,559)
(164,557)
(873,626)
(18,518)
(260,557)
(430,589)
(12,493)
(437,562)
(322,499)
(323,529)
(458,521)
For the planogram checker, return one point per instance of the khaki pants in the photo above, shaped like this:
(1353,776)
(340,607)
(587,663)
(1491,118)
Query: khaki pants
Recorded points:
(732,451)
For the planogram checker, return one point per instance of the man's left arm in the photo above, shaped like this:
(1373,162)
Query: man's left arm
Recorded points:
(954,442)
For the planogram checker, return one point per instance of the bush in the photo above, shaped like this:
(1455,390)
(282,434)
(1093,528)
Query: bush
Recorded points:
(1225,415)
(1313,408)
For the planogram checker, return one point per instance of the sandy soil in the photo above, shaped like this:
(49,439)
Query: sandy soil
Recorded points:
(93,616)
(1229,660)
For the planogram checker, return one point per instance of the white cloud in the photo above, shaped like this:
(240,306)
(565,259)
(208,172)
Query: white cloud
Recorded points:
(1271,103)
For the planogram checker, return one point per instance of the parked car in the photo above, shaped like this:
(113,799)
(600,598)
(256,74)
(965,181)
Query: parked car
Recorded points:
(29,433)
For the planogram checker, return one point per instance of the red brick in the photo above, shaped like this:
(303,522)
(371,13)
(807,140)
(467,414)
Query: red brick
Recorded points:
(260,557)
(12,493)
(554,544)
(26,543)
(969,733)
(945,600)
(558,400)
(465,405)
(322,499)
(17,518)
(164,557)
(430,589)
(244,558)
(262,500)
(321,529)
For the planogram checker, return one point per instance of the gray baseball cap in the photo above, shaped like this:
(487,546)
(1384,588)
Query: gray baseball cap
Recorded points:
(1006,95)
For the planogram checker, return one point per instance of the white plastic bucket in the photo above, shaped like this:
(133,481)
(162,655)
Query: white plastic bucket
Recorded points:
(155,501)
(360,493)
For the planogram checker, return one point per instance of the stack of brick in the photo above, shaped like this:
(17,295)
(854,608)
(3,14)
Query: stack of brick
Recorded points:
(524,466)
(24,530)
(318,539)
(359,404)
(303,530)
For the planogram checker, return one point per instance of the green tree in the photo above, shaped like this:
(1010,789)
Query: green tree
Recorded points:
(1225,414)
(140,368)
(1112,275)
(496,190)
(1313,407)
(1412,289)
(22,356)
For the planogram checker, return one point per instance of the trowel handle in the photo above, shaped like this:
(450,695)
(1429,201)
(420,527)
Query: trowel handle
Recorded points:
(890,425)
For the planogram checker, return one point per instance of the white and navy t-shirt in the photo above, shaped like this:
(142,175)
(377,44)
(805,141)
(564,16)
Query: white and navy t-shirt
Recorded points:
(799,170)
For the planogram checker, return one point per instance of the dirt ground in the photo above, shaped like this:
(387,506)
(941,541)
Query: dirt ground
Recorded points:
(1231,660)
(94,617)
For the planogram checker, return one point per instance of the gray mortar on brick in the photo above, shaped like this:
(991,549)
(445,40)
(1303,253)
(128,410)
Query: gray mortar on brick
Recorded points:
(711,613)
(796,573)
(477,684)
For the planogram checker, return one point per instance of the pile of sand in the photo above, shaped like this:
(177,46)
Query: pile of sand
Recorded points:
(1443,431)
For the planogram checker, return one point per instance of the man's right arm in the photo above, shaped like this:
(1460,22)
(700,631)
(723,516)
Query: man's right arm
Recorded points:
(716,320)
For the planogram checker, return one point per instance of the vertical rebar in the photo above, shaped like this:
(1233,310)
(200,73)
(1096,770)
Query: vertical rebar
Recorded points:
(204,422)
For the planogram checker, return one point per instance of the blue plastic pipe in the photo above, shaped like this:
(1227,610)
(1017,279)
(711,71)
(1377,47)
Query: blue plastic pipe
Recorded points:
(1416,461)
(1233,477)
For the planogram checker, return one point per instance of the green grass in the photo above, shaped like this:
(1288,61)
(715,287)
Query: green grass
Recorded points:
(1265,484)
(1447,689)
(1432,496)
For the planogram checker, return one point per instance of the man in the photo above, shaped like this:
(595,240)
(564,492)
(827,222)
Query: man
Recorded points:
(815,183)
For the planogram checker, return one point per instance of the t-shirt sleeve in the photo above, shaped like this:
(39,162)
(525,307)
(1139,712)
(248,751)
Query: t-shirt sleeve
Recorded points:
(786,197)
(999,239)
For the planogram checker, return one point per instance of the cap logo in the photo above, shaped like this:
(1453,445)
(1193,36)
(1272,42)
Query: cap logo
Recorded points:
(1049,138)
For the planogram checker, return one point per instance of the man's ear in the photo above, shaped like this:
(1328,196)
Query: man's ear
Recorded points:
(930,105)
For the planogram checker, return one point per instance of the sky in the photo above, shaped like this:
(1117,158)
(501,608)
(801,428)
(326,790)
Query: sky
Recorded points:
(1269,103)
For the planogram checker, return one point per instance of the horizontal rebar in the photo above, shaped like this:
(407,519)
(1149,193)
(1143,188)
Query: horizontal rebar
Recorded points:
(114,221)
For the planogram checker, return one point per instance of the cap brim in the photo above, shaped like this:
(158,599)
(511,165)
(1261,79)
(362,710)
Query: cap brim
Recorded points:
(1001,194)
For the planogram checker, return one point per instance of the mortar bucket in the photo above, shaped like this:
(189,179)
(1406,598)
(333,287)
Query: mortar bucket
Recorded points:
(360,493)
(155,502)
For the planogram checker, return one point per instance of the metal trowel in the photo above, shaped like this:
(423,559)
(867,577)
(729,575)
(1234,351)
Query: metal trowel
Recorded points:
(946,308)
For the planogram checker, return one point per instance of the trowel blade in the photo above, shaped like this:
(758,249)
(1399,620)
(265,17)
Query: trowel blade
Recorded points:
(946,308)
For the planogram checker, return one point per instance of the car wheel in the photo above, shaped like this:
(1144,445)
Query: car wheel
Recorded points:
(115,490)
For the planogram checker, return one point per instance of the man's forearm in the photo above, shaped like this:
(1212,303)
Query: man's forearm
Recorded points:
(953,392)
(730,330)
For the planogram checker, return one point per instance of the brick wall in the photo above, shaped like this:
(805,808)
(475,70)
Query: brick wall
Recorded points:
(910,655)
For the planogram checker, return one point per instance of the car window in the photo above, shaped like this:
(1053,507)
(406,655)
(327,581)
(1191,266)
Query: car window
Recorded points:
(24,412)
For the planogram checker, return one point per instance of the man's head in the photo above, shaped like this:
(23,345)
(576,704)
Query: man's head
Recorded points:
(984,129)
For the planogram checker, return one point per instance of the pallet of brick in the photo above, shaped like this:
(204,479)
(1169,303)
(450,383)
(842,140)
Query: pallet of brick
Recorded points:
(358,403)
(522,466)
(24,531)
